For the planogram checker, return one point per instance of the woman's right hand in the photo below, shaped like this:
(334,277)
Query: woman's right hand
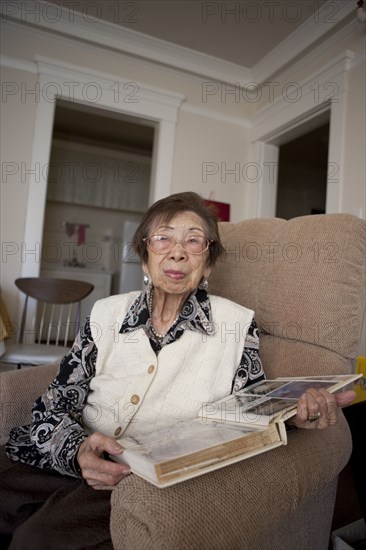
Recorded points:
(98,472)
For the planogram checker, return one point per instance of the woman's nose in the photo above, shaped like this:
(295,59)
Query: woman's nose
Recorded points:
(178,251)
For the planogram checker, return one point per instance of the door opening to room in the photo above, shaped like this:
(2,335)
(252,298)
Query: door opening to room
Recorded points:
(98,188)
(302,174)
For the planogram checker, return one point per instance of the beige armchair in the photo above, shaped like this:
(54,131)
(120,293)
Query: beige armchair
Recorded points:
(305,278)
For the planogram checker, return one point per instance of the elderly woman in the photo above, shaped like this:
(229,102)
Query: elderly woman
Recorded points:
(142,360)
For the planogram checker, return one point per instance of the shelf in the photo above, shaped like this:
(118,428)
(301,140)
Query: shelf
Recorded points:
(109,209)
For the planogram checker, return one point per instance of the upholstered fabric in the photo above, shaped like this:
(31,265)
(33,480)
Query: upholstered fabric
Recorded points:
(18,390)
(241,507)
(305,279)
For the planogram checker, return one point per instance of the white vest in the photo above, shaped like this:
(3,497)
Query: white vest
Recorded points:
(135,389)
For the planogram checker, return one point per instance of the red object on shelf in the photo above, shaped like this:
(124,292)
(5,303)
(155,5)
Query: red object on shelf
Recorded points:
(222,209)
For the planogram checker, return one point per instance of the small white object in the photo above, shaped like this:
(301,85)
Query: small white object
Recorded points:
(361,14)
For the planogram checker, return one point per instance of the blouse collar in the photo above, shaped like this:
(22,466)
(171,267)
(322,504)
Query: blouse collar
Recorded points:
(196,313)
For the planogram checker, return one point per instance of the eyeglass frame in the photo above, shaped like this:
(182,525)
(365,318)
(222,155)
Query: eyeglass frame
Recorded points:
(146,240)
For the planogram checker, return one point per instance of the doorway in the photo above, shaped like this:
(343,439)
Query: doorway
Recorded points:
(154,106)
(302,174)
(99,184)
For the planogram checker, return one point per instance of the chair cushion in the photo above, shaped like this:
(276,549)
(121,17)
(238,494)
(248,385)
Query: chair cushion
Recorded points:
(313,289)
(18,390)
(304,278)
(238,272)
(33,354)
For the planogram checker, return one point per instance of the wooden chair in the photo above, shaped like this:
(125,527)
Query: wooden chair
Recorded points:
(56,323)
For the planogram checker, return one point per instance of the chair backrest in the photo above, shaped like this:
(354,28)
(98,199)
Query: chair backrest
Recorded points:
(305,280)
(58,308)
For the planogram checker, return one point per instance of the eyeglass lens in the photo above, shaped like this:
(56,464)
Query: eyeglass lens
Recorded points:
(193,244)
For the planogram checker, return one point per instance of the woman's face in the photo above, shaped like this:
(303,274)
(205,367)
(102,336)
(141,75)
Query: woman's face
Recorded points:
(176,271)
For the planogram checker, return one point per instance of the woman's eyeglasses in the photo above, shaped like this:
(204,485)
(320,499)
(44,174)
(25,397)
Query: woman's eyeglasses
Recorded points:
(162,244)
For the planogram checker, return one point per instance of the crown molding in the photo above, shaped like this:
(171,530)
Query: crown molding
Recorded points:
(358,58)
(70,42)
(348,30)
(330,73)
(302,38)
(18,64)
(124,40)
(68,25)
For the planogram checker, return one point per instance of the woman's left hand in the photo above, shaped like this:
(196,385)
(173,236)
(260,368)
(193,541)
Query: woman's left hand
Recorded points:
(318,409)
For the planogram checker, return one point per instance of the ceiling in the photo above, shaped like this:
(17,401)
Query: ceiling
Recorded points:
(242,32)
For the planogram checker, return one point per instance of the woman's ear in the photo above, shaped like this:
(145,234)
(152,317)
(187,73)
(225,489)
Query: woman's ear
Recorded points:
(206,272)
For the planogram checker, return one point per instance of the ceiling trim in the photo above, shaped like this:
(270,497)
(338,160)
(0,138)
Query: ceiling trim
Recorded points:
(123,40)
(270,120)
(18,64)
(302,38)
(72,42)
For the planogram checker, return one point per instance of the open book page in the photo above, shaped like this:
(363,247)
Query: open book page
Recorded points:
(270,400)
(227,431)
(243,408)
(192,447)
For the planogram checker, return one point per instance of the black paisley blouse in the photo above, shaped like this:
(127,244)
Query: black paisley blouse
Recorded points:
(53,438)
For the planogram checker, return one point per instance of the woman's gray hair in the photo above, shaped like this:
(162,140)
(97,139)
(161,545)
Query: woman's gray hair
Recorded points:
(165,209)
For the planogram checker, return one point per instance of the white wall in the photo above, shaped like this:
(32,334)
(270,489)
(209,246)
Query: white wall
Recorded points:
(210,129)
(17,124)
(210,155)
(302,79)
(351,158)
(218,133)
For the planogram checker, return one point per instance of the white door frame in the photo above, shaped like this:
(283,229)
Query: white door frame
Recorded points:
(73,83)
(319,98)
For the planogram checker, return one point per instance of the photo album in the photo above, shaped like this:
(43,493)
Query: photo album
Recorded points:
(232,429)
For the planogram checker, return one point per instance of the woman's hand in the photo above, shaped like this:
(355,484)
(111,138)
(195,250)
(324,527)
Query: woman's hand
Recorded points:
(318,409)
(98,472)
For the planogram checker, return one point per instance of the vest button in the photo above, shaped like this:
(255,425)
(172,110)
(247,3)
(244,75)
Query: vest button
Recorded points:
(117,431)
(151,369)
(135,399)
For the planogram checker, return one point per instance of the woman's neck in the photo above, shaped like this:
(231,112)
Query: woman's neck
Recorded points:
(165,309)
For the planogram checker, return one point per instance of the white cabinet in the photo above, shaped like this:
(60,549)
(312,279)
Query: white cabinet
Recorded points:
(100,279)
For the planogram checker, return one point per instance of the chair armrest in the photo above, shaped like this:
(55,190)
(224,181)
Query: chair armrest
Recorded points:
(235,507)
(18,391)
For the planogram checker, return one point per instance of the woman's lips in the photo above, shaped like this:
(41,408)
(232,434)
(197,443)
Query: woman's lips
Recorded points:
(176,275)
